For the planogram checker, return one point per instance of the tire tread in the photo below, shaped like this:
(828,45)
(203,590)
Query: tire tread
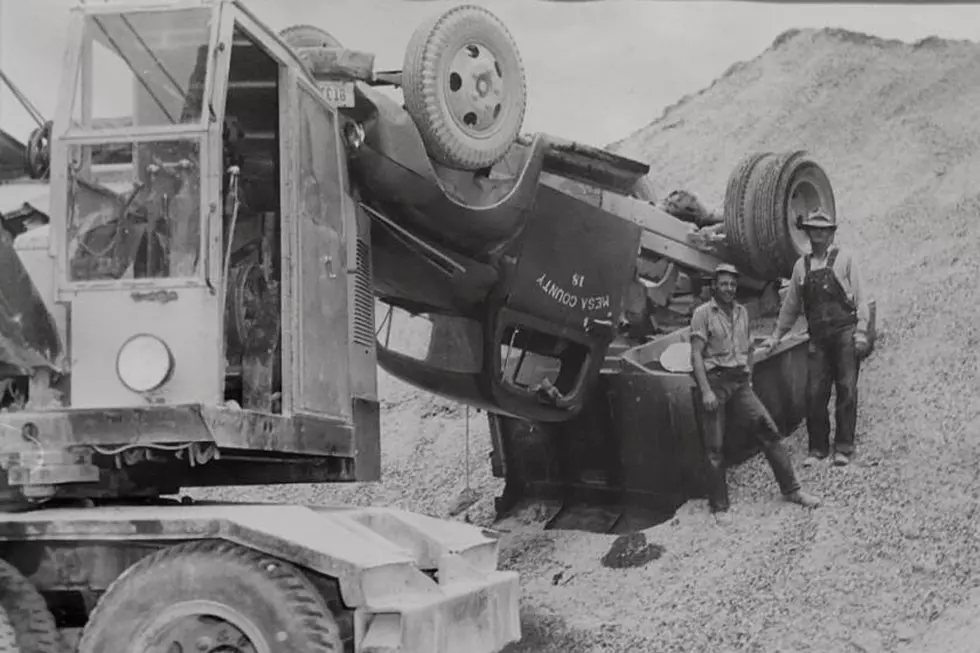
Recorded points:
(28,613)
(295,589)
(421,88)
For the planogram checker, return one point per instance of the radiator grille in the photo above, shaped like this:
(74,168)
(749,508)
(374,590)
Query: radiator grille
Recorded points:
(363,297)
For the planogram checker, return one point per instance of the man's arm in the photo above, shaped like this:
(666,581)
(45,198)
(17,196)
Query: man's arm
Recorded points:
(708,398)
(789,312)
(750,354)
(854,278)
(699,340)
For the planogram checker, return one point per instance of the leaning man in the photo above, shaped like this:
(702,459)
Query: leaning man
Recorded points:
(722,370)
(826,288)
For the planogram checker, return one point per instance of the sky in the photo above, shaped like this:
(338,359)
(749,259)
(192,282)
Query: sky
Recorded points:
(596,71)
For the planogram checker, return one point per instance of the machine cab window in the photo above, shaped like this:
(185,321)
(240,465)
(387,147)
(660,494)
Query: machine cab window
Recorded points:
(134,154)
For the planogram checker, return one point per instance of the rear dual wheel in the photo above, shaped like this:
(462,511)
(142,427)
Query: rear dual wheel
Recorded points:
(767,193)
(211,597)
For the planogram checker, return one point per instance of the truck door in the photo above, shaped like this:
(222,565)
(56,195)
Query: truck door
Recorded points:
(320,225)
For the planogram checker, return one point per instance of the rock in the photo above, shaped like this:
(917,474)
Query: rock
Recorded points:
(631,550)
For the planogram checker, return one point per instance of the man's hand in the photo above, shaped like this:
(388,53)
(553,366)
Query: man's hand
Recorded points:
(861,345)
(769,343)
(710,401)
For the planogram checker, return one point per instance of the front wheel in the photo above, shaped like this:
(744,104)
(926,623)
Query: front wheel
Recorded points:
(464,87)
(211,596)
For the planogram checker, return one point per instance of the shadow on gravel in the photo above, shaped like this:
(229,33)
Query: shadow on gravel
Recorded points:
(546,633)
(525,552)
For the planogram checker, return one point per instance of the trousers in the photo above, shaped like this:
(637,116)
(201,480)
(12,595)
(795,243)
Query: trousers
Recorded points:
(738,405)
(832,362)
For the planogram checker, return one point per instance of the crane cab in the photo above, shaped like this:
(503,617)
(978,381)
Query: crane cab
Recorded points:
(214,272)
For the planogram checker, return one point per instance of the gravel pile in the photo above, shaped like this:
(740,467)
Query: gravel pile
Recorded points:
(884,563)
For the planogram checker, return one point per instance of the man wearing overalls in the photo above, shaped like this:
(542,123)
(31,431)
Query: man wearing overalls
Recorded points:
(826,287)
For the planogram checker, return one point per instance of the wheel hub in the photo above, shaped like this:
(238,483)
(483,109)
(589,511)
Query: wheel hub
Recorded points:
(202,635)
(196,628)
(476,89)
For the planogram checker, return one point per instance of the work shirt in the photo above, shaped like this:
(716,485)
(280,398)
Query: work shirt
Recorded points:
(846,271)
(727,337)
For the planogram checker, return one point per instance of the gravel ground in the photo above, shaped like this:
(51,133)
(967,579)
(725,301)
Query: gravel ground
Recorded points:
(890,561)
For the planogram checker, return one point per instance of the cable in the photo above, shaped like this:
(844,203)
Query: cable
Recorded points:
(467,448)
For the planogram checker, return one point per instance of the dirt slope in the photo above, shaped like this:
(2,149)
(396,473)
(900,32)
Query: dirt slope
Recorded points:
(897,126)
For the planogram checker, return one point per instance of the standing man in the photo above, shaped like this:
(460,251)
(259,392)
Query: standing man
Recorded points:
(826,287)
(720,360)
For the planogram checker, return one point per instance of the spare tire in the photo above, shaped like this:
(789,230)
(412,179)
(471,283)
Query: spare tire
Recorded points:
(308,36)
(464,86)
(37,156)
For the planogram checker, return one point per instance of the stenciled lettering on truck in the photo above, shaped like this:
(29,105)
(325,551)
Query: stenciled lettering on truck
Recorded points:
(571,296)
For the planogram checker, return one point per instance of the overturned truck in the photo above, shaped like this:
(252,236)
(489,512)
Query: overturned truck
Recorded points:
(634,453)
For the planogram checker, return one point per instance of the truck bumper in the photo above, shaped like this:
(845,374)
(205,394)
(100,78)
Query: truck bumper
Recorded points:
(476,616)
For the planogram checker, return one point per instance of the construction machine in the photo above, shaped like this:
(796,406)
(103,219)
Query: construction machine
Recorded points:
(189,295)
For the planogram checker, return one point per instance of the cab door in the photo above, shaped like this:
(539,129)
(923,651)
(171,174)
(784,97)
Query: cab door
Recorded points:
(318,226)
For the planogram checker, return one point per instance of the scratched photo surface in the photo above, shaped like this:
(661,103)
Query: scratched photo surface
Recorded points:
(886,101)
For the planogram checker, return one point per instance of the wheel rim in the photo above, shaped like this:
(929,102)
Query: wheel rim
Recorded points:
(475,84)
(201,627)
(804,197)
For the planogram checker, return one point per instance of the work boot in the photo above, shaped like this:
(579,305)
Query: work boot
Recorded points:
(841,459)
(802,498)
(812,459)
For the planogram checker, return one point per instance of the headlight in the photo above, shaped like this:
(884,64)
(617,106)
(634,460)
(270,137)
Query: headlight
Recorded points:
(144,363)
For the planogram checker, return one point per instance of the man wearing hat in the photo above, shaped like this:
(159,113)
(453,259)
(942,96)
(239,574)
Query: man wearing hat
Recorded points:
(826,287)
(721,364)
